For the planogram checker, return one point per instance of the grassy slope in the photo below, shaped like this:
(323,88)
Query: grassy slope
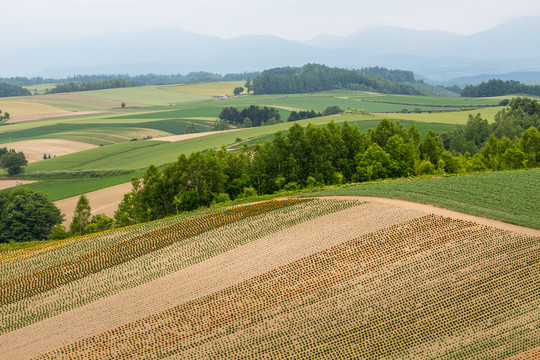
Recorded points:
(174,119)
(150,95)
(510,196)
(138,154)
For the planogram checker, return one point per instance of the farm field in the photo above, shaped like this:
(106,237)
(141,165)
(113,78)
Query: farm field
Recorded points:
(350,277)
(155,112)
(34,149)
(510,196)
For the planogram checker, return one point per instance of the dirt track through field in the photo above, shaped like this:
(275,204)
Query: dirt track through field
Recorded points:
(219,272)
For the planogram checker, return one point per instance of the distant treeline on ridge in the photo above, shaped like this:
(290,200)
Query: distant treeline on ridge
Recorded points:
(92,85)
(140,80)
(315,77)
(12,90)
(496,87)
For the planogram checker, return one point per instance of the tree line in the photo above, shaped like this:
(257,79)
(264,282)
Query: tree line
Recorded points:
(310,156)
(254,116)
(12,90)
(315,77)
(92,85)
(511,122)
(140,80)
(497,87)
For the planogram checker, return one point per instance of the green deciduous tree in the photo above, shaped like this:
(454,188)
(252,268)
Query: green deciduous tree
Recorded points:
(13,162)
(99,222)
(27,215)
(81,217)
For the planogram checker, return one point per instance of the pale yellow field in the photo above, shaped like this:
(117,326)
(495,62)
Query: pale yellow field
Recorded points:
(454,117)
(207,89)
(101,201)
(6,184)
(34,149)
(20,108)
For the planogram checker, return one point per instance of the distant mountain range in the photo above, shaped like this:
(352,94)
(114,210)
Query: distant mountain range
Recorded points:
(510,48)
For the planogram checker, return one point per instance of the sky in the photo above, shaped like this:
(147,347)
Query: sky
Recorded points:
(37,21)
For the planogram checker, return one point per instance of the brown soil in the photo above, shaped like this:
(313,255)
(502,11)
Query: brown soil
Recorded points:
(181,137)
(409,205)
(527,355)
(6,184)
(30,117)
(204,278)
(34,149)
(101,201)
(222,271)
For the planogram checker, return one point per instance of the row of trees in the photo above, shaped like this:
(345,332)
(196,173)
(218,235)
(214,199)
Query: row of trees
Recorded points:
(401,76)
(497,87)
(308,156)
(315,77)
(511,122)
(143,79)
(12,90)
(255,116)
(252,116)
(92,85)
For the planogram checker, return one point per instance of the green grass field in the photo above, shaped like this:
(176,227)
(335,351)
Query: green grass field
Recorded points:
(510,196)
(431,100)
(58,189)
(149,95)
(196,104)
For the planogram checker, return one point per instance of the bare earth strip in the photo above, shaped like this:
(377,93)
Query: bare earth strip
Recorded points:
(219,272)
(527,355)
(39,116)
(101,201)
(425,208)
(6,184)
(215,274)
(181,137)
(34,149)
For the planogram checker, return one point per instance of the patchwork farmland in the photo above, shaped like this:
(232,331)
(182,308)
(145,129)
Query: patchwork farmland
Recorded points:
(299,278)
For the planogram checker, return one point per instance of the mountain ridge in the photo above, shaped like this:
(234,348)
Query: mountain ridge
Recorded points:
(437,55)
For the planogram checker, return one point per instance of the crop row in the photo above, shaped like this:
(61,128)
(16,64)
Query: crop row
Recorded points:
(24,261)
(162,262)
(120,252)
(288,296)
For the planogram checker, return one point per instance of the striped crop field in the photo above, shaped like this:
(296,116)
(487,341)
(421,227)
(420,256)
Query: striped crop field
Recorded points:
(304,278)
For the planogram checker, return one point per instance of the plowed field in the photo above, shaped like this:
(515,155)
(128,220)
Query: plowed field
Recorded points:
(312,278)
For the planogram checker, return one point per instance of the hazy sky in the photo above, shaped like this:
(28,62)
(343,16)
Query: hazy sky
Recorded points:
(27,21)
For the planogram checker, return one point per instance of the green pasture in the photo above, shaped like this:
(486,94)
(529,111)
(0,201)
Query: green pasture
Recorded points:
(409,100)
(319,103)
(454,117)
(105,131)
(510,196)
(58,189)
(150,95)
(140,154)
(207,89)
